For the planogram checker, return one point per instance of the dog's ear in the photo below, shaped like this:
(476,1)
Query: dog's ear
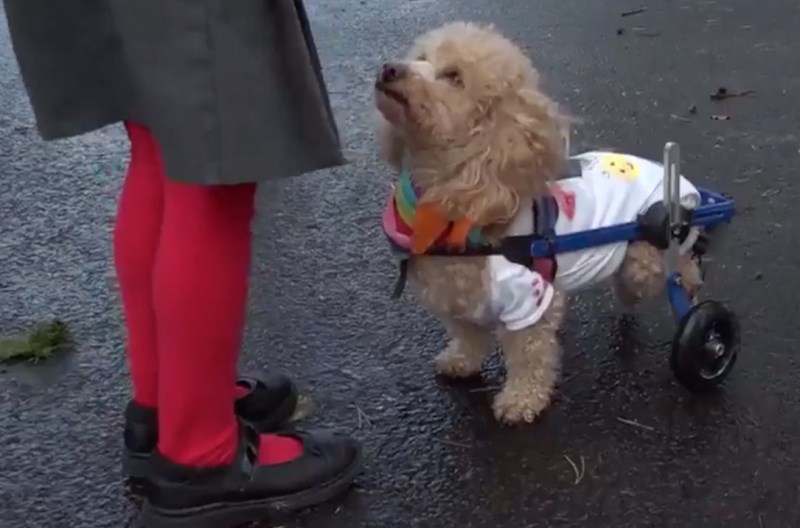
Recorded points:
(392,143)
(529,140)
(522,150)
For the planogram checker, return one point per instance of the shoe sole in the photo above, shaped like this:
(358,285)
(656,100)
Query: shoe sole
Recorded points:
(136,466)
(229,515)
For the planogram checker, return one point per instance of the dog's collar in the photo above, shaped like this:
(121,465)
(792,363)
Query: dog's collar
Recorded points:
(424,224)
(405,199)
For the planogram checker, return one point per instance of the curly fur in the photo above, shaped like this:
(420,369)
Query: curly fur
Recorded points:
(480,137)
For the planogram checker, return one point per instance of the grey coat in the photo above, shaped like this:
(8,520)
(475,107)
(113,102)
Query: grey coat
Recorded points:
(232,89)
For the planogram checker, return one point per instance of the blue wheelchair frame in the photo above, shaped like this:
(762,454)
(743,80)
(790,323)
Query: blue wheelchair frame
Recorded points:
(714,209)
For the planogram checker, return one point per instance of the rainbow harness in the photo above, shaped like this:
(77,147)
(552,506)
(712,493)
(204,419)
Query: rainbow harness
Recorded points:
(425,224)
(415,228)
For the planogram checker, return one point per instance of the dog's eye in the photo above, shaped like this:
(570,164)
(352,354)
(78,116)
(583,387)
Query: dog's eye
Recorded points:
(453,76)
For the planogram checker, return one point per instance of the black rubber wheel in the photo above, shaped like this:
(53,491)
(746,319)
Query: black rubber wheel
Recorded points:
(705,346)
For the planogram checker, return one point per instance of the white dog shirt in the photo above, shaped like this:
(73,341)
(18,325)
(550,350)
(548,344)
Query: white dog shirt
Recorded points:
(612,189)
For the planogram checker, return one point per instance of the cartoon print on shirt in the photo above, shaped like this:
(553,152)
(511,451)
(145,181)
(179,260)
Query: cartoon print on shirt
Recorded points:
(619,166)
(537,291)
(565,200)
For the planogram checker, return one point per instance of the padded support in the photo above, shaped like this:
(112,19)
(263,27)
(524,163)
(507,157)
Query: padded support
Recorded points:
(654,225)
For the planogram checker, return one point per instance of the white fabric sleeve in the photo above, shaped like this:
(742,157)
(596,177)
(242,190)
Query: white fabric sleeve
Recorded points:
(520,296)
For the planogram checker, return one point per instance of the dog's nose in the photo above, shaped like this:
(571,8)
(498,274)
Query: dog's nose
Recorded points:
(392,72)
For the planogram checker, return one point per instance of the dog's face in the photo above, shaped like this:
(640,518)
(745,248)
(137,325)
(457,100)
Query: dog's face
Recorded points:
(452,83)
(465,107)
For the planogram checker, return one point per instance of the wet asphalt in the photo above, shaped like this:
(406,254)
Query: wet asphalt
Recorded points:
(647,453)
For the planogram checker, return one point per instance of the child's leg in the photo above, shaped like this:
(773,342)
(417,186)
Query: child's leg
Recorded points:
(136,236)
(201,283)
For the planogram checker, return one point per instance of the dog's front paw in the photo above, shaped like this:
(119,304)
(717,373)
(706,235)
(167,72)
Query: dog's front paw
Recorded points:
(514,405)
(459,360)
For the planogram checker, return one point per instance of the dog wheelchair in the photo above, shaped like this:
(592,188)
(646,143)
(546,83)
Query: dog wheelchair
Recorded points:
(706,342)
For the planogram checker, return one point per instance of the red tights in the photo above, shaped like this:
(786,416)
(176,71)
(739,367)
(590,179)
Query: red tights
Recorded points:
(182,254)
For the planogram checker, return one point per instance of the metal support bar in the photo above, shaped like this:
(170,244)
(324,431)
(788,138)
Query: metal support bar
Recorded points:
(672,200)
(716,210)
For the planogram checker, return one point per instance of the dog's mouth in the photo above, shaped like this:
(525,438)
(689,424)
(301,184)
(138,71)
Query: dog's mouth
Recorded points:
(391,94)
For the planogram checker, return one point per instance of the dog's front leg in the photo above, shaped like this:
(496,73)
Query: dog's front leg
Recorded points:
(533,361)
(469,344)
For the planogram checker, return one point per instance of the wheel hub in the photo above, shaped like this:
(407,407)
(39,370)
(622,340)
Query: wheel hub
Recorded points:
(715,347)
(716,358)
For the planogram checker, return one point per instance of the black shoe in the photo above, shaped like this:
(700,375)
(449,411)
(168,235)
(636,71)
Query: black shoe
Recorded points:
(270,402)
(246,492)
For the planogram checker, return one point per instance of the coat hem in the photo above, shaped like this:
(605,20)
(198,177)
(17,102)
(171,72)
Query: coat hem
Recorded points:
(75,128)
(328,162)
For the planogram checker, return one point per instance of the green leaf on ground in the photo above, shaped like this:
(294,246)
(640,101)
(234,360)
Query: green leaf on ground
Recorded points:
(40,344)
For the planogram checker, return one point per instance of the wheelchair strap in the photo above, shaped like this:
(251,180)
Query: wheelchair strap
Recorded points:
(516,249)
(545,216)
